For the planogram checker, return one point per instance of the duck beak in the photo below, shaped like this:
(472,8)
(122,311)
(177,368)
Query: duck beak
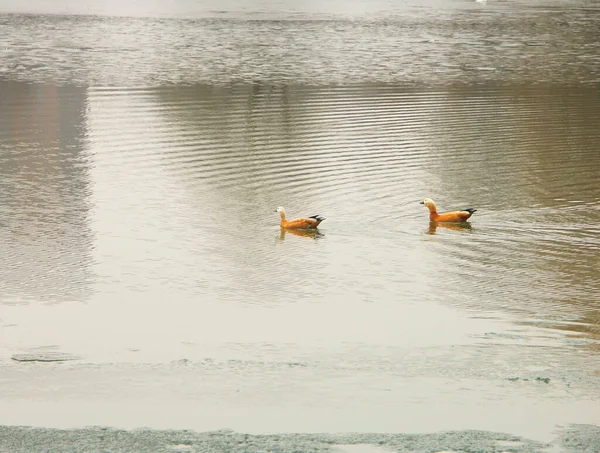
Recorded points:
(421,202)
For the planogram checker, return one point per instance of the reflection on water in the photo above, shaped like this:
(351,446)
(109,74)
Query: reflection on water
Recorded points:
(183,195)
(588,324)
(46,238)
(149,196)
(312,234)
(433,227)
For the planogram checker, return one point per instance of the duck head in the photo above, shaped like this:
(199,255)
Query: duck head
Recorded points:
(429,203)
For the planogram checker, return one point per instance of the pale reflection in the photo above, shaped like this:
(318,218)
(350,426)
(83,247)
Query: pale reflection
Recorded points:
(433,226)
(588,324)
(44,193)
(312,234)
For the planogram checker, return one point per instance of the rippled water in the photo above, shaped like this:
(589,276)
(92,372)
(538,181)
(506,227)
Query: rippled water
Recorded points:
(426,42)
(139,172)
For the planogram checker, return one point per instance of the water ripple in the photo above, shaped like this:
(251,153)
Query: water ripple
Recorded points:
(506,42)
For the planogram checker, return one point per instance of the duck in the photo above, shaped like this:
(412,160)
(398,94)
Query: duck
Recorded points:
(452,216)
(303,223)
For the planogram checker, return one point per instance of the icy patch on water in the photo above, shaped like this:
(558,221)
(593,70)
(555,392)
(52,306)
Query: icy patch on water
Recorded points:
(44,354)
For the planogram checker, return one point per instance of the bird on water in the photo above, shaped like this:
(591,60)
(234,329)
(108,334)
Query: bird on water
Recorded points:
(303,223)
(451,216)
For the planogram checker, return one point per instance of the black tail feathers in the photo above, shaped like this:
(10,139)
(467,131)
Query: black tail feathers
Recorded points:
(471,210)
(318,218)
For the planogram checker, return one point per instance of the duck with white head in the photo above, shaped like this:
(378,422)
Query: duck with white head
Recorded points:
(451,216)
(302,223)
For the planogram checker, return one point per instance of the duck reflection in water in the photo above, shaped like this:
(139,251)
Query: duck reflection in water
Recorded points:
(311,234)
(463,226)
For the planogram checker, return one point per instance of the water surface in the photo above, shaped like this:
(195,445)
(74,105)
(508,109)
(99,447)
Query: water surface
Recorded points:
(142,157)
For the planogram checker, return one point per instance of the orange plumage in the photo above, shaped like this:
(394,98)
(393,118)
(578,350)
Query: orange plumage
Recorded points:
(302,223)
(452,216)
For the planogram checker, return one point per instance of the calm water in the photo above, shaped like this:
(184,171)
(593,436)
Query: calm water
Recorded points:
(142,156)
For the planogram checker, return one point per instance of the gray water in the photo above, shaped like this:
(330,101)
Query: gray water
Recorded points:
(143,150)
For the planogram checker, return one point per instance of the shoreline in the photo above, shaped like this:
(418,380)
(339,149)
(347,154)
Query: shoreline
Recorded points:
(575,438)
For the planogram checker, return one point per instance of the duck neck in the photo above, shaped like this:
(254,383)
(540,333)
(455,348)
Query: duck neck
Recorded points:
(282,215)
(432,212)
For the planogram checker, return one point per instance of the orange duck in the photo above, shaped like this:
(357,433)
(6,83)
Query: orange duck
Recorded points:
(303,223)
(452,216)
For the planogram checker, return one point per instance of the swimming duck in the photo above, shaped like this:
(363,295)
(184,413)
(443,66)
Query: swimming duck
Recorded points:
(302,223)
(453,216)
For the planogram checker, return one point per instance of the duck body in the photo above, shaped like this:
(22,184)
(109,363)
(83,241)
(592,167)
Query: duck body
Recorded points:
(303,223)
(449,217)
